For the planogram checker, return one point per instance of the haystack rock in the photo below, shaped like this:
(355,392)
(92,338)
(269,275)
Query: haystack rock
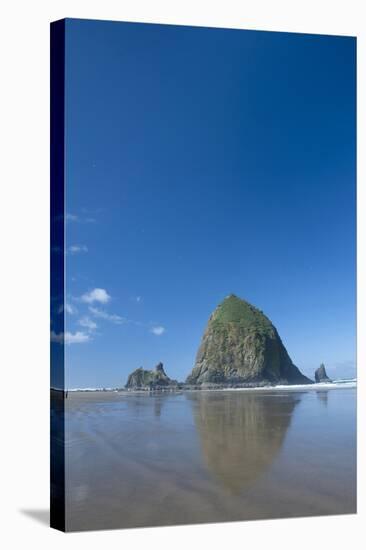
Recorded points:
(240,346)
(321,375)
(149,379)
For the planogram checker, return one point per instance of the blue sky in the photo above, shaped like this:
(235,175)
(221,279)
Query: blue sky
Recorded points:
(199,163)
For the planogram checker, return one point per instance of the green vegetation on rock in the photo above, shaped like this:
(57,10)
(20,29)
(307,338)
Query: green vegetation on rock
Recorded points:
(235,310)
(149,379)
(241,346)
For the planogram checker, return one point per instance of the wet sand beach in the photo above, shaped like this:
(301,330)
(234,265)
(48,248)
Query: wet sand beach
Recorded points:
(136,460)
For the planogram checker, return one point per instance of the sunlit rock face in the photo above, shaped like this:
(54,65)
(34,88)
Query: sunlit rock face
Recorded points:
(241,346)
(149,379)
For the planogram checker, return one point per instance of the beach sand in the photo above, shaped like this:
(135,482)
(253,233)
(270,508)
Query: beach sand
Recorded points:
(135,460)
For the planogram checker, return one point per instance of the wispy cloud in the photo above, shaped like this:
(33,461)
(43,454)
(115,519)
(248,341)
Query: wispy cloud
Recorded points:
(78,219)
(77,249)
(78,337)
(99,297)
(72,250)
(71,217)
(158,330)
(96,295)
(87,323)
(69,308)
(113,318)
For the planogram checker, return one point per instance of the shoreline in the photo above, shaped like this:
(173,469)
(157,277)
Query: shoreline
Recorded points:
(321,386)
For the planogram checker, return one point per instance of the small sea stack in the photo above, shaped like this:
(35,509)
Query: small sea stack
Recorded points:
(156,379)
(321,375)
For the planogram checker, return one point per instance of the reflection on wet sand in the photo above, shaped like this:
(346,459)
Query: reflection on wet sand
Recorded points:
(241,434)
(136,460)
(323,397)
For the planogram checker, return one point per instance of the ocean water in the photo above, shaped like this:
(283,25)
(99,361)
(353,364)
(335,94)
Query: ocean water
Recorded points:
(136,460)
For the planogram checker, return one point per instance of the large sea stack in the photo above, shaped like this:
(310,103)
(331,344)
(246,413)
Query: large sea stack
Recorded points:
(240,346)
(141,379)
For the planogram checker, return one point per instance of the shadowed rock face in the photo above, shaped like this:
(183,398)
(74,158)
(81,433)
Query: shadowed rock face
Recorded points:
(241,434)
(321,375)
(149,379)
(241,346)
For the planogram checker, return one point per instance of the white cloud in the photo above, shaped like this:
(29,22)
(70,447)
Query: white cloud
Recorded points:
(74,218)
(71,217)
(72,249)
(117,319)
(77,249)
(77,337)
(69,308)
(138,299)
(87,323)
(96,295)
(158,331)
(59,338)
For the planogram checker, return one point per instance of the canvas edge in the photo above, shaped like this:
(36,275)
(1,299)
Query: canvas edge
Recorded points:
(57,270)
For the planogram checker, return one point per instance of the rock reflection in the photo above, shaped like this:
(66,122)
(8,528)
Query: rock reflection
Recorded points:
(323,397)
(241,433)
(146,403)
(158,404)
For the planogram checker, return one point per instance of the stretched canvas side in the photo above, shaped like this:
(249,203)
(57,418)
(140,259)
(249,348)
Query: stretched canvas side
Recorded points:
(57,518)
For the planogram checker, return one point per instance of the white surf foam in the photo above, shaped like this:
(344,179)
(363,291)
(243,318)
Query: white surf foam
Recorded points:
(336,384)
